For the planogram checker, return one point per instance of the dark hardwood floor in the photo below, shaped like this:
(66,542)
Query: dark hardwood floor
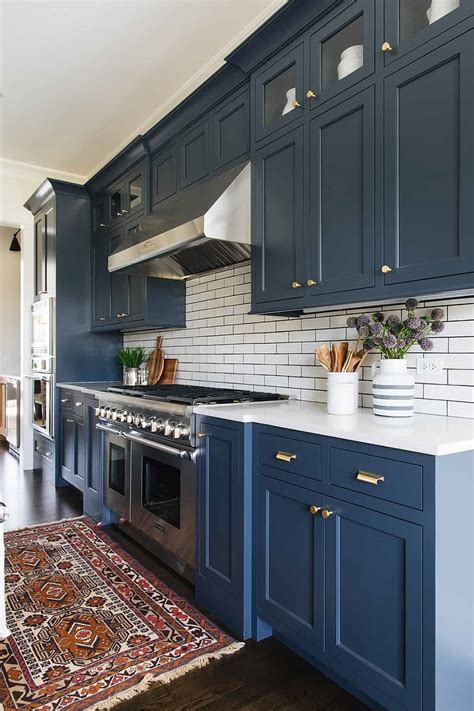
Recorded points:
(261,677)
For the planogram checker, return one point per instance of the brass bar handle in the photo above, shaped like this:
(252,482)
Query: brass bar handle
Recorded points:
(325,513)
(285,456)
(369,478)
(314,509)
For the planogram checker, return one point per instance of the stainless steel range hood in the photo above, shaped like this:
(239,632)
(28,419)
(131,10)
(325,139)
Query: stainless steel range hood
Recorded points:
(206,228)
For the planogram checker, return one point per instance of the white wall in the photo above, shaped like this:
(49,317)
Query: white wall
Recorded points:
(17,182)
(9,305)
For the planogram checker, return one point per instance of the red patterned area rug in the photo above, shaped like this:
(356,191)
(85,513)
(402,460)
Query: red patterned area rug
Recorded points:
(91,627)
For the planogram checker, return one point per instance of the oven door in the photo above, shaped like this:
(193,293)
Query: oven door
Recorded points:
(42,404)
(163,501)
(116,471)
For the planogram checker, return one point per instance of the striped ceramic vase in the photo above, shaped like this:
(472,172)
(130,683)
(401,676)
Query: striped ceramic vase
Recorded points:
(393,388)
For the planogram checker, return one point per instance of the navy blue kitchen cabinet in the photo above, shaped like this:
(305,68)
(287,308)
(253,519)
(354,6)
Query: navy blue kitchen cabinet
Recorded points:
(99,216)
(231,131)
(72,449)
(374,611)
(290,551)
(194,160)
(223,540)
(342,197)
(277,220)
(429,166)
(164,171)
(127,197)
(93,470)
(44,251)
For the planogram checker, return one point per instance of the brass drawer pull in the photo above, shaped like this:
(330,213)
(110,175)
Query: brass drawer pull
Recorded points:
(285,457)
(369,478)
(325,513)
(314,509)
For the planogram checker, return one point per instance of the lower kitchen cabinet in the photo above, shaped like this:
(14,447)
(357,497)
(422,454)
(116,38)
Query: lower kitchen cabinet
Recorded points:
(43,455)
(72,449)
(223,524)
(93,473)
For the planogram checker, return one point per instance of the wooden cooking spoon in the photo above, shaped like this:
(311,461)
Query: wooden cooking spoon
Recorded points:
(324,357)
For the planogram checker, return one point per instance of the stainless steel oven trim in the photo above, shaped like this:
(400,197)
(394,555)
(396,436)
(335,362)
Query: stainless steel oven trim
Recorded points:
(120,504)
(49,429)
(182,453)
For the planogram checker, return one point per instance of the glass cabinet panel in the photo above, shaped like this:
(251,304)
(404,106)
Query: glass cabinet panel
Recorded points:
(280,95)
(135,192)
(99,221)
(116,203)
(343,53)
(416,15)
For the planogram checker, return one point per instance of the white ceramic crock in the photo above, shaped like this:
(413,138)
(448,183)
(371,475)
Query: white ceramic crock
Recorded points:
(290,98)
(393,388)
(343,393)
(440,8)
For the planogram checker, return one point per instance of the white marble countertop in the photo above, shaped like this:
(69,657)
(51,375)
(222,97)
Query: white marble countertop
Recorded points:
(427,434)
(91,388)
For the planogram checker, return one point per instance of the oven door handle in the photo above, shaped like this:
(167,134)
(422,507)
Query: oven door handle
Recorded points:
(183,453)
(104,428)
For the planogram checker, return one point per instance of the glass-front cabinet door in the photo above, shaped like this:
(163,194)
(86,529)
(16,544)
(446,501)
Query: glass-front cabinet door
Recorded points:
(115,203)
(99,216)
(410,23)
(341,53)
(278,92)
(134,185)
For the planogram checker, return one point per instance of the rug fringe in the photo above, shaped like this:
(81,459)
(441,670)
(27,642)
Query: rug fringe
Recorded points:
(41,525)
(151,678)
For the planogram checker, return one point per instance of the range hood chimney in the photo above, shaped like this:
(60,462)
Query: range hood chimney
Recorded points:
(206,228)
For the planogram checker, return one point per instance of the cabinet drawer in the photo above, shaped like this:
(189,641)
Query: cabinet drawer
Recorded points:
(72,401)
(292,455)
(43,451)
(391,480)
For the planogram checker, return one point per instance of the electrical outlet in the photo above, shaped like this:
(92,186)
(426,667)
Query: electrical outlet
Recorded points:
(429,365)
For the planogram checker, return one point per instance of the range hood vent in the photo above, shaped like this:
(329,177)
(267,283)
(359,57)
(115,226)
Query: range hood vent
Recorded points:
(206,228)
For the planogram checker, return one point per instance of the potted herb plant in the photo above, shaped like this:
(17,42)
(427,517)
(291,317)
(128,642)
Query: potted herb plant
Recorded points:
(393,386)
(131,359)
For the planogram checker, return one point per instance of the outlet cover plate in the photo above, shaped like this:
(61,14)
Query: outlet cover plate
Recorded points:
(429,365)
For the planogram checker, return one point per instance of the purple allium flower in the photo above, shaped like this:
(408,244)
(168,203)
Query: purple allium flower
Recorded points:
(411,304)
(425,344)
(437,326)
(390,341)
(378,316)
(368,345)
(363,331)
(393,321)
(376,329)
(437,314)
(402,343)
(363,320)
(414,323)
(352,322)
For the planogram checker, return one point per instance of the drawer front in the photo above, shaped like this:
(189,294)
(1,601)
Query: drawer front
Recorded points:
(72,401)
(392,480)
(291,455)
(44,450)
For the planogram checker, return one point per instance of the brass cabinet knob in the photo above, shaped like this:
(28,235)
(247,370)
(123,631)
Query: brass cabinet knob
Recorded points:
(387,47)
(310,282)
(296,104)
(200,434)
(102,224)
(295,285)
(385,269)
(310,94)
(325,513)
(123,212)
(314,509)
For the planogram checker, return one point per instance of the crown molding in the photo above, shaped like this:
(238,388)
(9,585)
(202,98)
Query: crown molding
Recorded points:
(204,73)
(27,171)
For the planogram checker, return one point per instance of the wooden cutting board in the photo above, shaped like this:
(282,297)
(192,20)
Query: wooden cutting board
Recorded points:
(155,363)
(169,371)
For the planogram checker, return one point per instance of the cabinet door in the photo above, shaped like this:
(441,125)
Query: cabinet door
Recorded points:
(278,92)
(342,52)
(374,599)
(342,197)
(164,174)
(135,286)
(3,409)
(40,254)
(119,283)
(231,131)
(80,464)
(93,480)
(194,155)
(290,554)
(408,24)
(429,165)
(277,224)
(68,447)
(99,216)
(135,188)
(101,306)
(115,203)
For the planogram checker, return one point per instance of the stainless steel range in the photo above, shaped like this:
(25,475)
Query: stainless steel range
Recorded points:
(149,470)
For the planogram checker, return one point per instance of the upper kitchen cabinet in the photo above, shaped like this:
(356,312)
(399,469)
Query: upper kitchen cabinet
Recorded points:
(194,154)
(341,53)
(99,216)
(278,91)
(277,219)
(231,131)
(44,250)
(127,197)
(164,174)
(429,167)
(342,197)
(409,24)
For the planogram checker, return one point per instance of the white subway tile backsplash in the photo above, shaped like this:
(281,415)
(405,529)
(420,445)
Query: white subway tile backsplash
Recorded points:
(227,346)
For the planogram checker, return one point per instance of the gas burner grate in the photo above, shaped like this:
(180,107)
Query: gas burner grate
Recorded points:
(195,394)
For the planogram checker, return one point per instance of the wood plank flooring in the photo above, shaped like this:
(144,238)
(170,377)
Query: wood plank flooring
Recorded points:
(261,677)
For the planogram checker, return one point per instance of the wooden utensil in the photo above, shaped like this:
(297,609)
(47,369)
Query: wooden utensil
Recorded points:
(334,358)
(342,355)
(169,371)
(324,357)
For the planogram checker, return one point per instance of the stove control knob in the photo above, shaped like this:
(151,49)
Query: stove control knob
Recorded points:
(123,415)
(116,415)
(169,428)
(157,425)
(130,418)
(138,419)
(145,424)
(97,411)
(103,411)
(111,413)
(181,430)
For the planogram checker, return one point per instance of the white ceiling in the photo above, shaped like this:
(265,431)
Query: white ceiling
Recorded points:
(80,78)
